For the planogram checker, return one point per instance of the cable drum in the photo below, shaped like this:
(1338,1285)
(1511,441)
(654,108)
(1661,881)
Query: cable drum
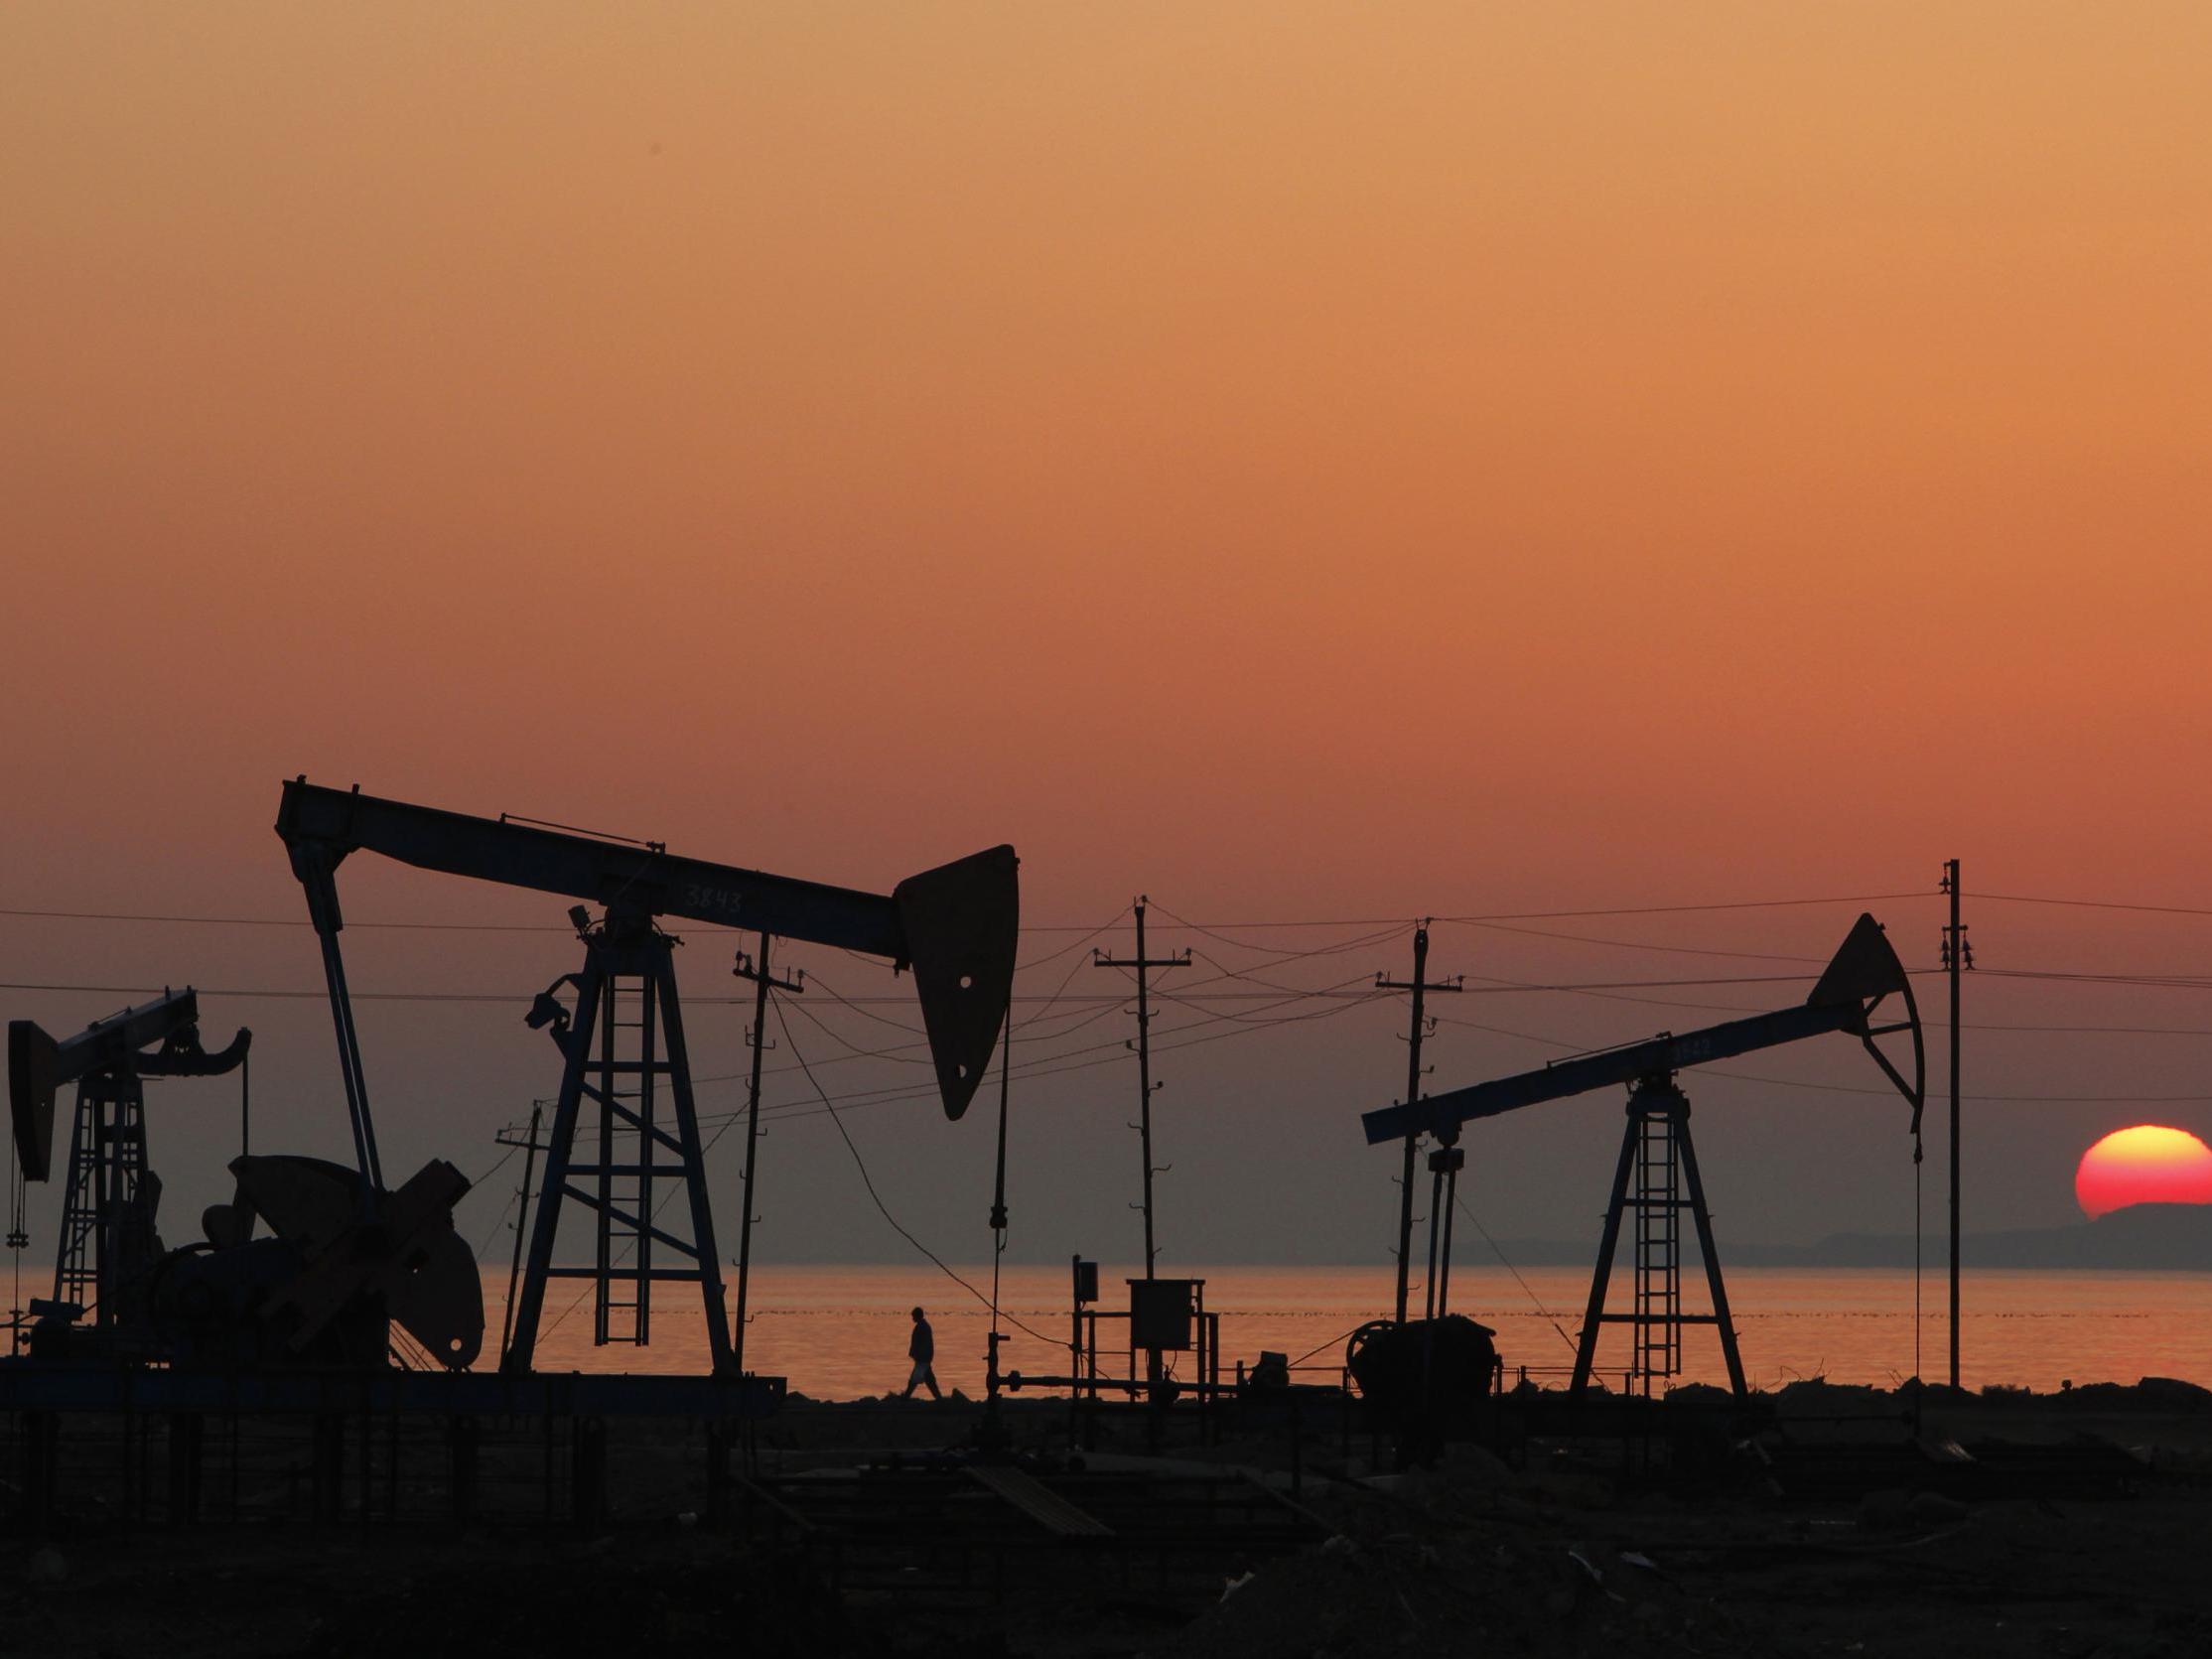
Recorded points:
(1430,1379)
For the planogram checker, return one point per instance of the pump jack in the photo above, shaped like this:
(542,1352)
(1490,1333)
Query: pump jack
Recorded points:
(108,1244)
(954,926)
(1656,1147)
(322,1287)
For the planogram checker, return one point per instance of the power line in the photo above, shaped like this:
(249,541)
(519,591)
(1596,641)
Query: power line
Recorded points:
(835,995)
(869,1181)
(1853,1088)
(1494,985)
(1115,1050)
(857,1004)
(1969,1025)
(1042,1067)
(1211,932)
(1270,996)
(1640,944)
(2160,982)
(2081,1031)
(1287,995)
(1534,1300)
(190,920)
(1085,928)
(1491,986)
(1684,909)
(1078,1018)
(292,922)
(1496,919)
(2093,904)
(1073,945)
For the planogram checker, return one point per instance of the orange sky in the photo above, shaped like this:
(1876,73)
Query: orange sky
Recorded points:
(1303,460)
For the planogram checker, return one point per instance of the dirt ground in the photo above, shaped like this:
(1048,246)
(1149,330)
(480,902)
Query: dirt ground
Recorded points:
(1563,1555)
(1476,1558)
(1456,1570)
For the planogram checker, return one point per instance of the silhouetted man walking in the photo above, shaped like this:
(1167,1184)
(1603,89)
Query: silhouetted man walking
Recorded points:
(921,1348)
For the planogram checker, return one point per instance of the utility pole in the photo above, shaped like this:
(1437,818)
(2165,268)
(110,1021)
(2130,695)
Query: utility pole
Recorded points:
(757,970)
(531,1148)
(1144,965)
(992,1435)
(1957,955)
(1418,984)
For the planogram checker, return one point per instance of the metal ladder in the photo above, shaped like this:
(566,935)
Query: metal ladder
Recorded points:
(107,1160)
(623,1054)
(627,1069)
(1658,1203)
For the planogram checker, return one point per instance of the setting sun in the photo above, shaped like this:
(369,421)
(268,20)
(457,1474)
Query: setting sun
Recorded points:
(2146,1165)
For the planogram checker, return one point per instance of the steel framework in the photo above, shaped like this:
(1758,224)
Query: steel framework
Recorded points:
(1657,1171)
(629,1069)
(623,1041)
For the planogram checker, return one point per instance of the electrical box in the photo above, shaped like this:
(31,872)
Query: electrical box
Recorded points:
(1161,1312)
(1086,1281)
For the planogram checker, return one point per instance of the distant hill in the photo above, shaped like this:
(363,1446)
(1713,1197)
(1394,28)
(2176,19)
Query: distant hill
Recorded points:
(2140,1238)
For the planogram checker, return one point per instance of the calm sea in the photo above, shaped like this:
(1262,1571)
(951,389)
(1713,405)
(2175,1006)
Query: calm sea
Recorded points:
(840,1332)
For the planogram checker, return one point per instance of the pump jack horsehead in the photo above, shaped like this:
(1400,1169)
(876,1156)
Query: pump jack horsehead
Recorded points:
(621,1036)
(1656,1148)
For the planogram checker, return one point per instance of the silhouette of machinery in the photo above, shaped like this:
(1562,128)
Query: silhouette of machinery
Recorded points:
(108,1244)
(621,1035)
(322,1287)
(1657,1175)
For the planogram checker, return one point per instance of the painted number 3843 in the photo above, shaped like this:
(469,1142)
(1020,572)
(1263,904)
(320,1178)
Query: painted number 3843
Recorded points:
(698,898)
